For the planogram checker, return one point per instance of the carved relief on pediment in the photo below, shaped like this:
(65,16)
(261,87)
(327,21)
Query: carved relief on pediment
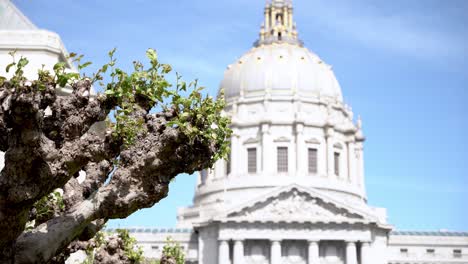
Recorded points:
(293,205)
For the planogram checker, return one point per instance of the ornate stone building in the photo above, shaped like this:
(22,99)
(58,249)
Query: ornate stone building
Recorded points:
(293,188)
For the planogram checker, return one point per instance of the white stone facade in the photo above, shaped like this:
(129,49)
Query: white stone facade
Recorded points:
(301,198)
(293,188)
(40,47)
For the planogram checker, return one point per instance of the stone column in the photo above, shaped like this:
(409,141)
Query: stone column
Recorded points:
(286,17)
(275,252)
(238,252)
(365,253)
(351,163)
(201,247)
(330,153)
(223,252)
(266,150)
(301,154)
(290,17)
(313,252)
(351,253)
(361,167)
(273,17)
(344,163)
(235,149)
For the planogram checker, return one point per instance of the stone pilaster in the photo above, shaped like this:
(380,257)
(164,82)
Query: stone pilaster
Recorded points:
(344,164)
(351,163)
(290,20)
(235,151)
(286,17)
(266,149)
(361,167)
(301,155)
(267,19)
(330,153)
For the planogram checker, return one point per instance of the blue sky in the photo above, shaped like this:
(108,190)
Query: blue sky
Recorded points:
(402,66)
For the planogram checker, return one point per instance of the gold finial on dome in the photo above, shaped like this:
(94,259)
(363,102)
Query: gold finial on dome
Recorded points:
(279,25)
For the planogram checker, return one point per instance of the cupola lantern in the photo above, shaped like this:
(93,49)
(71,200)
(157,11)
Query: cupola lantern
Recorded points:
(279,25)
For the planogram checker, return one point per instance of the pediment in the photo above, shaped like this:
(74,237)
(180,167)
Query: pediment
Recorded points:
(251,141)
(282,139)
(338,146)
(313,141)
(295,205)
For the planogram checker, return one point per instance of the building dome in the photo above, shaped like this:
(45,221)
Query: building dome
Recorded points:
(280,69)
(290,126)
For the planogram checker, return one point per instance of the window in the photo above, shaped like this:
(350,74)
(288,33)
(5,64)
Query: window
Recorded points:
(282,159)
(337,163)
(279,18)
(404,251)
(252,160)
(155,247)
(312,160)
(430,251)
(457,253)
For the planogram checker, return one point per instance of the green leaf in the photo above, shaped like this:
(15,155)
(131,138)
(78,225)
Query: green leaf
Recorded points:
(185,115)
(111,52)
(72,75)
(152,55)
(62,80)
(59,66)
(104,67)
(72,55)
(9,66)
(109,92)
(41,87)
(166,68)
(84,65)
(22,62)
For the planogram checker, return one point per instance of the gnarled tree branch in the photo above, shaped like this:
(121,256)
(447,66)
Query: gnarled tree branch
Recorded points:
(48,140)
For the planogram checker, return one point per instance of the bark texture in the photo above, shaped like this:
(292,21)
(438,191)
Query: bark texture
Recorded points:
(47,141)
